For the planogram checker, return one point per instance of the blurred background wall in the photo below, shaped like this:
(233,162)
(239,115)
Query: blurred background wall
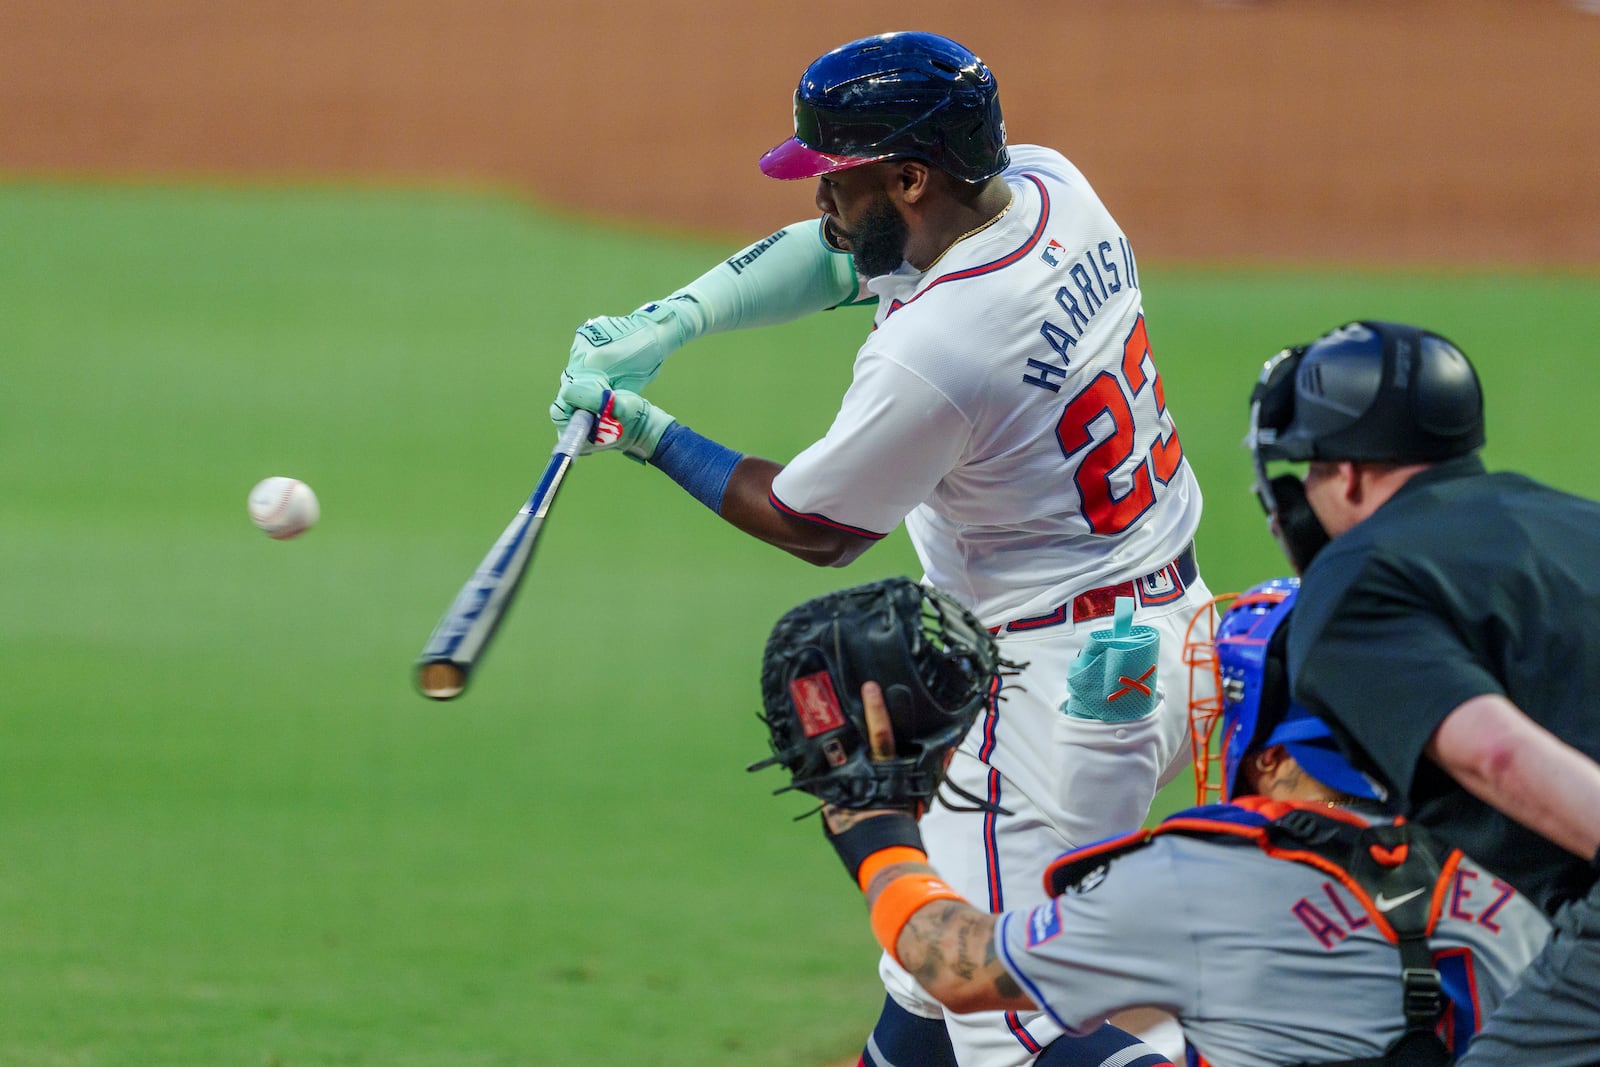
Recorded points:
(1364,131)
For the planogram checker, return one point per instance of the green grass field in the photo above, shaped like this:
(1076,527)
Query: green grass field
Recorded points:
(232,834)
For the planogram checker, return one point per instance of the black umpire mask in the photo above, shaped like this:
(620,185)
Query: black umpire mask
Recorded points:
(1367,392)
(1294,525)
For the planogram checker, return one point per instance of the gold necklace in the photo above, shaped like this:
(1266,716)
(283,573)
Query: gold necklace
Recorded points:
(1361,804)
(975,230)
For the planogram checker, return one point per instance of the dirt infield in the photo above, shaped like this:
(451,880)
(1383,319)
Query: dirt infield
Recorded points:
(1430,131)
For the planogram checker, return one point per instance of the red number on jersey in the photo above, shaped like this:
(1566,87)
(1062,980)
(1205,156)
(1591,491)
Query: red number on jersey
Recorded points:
(1109,396)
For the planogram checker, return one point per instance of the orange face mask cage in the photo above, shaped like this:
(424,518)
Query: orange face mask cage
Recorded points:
(1206,695)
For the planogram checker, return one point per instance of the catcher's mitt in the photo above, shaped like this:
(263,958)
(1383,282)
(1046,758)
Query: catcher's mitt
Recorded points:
(936,663)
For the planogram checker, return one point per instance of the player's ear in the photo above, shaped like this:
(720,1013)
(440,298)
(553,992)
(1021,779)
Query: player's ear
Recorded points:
(912,179)
(1353,480)
(1261,766)
(1271,758)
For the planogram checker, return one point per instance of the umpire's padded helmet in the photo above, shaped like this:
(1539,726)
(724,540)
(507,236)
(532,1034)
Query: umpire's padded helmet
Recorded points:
(1251,645)
(908,94)
(1370,391)
(937,667)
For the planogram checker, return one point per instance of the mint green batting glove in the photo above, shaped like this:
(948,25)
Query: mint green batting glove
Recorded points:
(623,419)
(627,350)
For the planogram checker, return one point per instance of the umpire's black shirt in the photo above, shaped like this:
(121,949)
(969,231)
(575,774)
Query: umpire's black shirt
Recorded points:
(1463,583)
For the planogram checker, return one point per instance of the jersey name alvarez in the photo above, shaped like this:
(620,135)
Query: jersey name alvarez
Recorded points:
(1007,408)
(1332,914)
(1259,939)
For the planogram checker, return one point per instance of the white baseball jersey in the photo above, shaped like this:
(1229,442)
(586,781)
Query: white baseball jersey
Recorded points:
(1264,961)
(1007,408)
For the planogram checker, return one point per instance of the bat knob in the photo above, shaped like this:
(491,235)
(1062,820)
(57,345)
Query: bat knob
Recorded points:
(441,680)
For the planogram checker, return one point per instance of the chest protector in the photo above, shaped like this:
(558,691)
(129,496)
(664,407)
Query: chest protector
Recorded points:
(1390,859)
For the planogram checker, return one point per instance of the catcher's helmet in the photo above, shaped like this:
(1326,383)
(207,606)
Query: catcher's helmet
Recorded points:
(1248,663)
(938,667)
(1374,391)
(909,94)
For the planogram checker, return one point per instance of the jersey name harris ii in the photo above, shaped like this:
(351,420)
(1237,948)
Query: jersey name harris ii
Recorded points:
(1007,408)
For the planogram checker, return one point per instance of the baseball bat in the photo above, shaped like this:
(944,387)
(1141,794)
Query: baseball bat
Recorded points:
(462,636)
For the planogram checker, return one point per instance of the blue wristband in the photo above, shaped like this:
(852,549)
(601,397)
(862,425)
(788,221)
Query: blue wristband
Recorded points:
(697,463)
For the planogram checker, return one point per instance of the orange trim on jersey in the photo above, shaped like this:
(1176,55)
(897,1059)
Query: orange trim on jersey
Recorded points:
(887,857)
(1442,888)
(900,900)
(1111,845)
(1275,809)
(1077,856)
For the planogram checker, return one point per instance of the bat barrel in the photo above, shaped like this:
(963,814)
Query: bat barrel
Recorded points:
(463,634)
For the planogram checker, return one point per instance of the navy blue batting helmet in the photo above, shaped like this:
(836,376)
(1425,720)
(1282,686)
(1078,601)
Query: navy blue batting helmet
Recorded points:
(909,94)
(1250,664)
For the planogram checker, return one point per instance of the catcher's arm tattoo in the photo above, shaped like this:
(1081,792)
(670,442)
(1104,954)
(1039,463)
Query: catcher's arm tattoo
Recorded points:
(949,947)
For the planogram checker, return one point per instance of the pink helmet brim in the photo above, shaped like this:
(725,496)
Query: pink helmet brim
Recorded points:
(792,160)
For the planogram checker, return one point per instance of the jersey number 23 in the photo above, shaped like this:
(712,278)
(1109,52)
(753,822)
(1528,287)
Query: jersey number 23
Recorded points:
(1112,395)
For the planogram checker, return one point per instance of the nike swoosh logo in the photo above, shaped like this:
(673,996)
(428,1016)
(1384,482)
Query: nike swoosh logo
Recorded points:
(1384,903)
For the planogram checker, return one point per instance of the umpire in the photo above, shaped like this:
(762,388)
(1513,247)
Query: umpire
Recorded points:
(1471,600)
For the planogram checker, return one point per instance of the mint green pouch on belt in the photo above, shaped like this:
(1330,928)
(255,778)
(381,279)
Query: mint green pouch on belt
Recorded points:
(1114,677)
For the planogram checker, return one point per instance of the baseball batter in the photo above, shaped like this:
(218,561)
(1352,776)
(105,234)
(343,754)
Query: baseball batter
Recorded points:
(1294,923)
(1006,407)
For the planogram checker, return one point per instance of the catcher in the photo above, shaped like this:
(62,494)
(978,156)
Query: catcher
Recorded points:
(1292,922)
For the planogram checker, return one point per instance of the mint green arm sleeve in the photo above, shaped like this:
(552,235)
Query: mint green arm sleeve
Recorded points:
(780,278)
(786,276)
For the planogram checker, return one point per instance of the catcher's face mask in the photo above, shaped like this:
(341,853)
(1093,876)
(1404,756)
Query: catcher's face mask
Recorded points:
(1240,701)
(1293,524)
(1226,651)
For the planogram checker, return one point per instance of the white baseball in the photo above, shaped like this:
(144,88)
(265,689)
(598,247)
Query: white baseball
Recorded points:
(283,507)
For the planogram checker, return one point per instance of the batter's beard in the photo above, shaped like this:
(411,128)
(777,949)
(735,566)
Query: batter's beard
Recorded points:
(879,243)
